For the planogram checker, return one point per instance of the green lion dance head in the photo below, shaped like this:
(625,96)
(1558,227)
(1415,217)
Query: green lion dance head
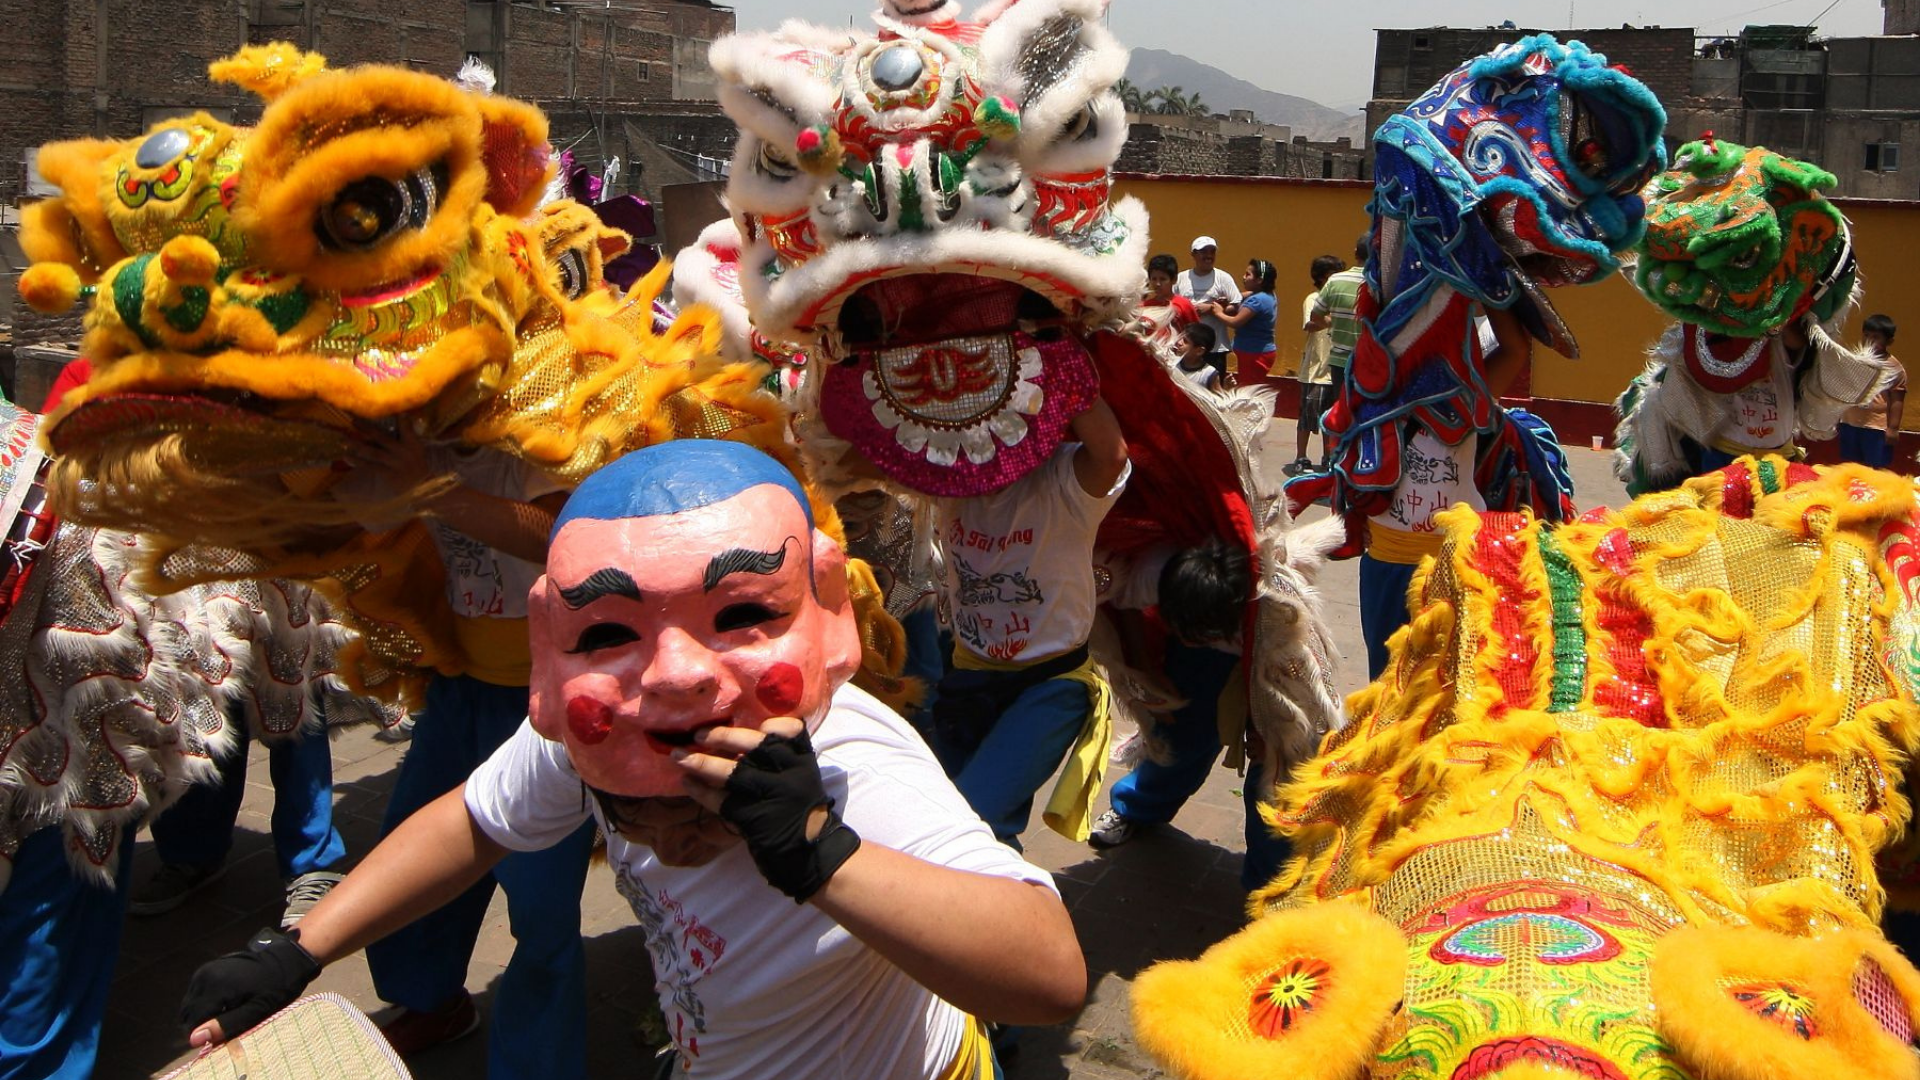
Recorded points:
(1741,241)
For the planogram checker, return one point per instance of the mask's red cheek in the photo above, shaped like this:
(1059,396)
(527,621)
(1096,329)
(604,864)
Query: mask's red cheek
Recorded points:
(591,720)
(781,688)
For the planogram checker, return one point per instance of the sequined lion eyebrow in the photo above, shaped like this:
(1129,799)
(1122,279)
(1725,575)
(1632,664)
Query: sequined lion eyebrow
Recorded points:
(744,561)
(607,581)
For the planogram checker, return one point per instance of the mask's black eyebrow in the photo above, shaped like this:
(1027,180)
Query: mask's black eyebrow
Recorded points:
(744,561)
(608,581)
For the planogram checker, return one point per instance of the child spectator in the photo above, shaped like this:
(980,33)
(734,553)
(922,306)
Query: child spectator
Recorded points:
(1316,375)
(1195,355)
(1869,432)
(1162,314)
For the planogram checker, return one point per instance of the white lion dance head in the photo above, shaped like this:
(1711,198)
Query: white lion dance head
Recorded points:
(925,211)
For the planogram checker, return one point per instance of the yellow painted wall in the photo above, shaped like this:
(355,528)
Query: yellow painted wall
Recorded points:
(1290,222)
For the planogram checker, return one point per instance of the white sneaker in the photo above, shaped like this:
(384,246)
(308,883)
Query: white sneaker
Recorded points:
(1111,830)
(305,891)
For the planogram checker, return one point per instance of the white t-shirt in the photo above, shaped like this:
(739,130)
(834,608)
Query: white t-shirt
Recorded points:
(1020,563)
(1433,477)
(483,583)
(1760,415)
(1215,286)
(752,984)
(1204,377)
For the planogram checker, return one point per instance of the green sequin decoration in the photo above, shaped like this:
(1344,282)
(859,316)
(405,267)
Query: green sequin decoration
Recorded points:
(1769,478)
(129,298)
(1569,632)
(283,310)
(187,315)
(913,216)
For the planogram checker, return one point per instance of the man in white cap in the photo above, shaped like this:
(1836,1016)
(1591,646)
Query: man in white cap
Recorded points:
(1204,285)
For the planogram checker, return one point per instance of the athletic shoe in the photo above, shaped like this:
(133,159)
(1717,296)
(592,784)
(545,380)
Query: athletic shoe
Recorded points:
(1299,466)
(1111,830)
(305,891)
(413,1031)
(170,886)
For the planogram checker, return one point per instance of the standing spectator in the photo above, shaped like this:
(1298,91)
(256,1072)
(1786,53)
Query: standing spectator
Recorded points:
(1333,312)
(1868,432)
(1162,315)
(1205,285)
(1252,320)
(1316,376)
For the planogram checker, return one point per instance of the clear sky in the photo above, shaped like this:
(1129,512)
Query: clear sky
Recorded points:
(1324,50)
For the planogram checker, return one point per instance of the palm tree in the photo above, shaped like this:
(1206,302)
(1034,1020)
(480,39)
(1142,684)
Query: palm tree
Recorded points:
(1131,96)
(1167,101)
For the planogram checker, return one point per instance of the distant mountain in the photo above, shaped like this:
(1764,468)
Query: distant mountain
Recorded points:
(1151,68)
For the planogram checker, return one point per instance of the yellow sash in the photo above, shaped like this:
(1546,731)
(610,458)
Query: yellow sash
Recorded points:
(1400,546)
(975,1059)
(1789,450)
(496,650)
(1069,809)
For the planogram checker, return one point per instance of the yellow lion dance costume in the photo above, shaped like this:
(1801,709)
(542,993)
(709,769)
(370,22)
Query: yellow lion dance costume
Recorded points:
(371,254)
(1612,811)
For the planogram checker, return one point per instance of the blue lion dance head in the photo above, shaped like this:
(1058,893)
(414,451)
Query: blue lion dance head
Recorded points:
(1519,172)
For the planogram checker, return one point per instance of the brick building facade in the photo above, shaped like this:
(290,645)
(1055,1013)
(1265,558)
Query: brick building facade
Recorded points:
(1902,16)
(1848,104)
(629,82)
(109,68)
(1235,145)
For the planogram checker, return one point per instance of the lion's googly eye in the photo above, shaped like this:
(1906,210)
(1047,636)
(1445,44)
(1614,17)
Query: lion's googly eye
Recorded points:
(1084,126)
(573,274)
(775,164)
(369,210)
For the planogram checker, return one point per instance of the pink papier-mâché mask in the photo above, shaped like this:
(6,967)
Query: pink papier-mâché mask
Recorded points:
(646,630)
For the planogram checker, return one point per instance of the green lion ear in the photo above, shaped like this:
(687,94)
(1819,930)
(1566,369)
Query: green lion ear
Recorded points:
(1803,174)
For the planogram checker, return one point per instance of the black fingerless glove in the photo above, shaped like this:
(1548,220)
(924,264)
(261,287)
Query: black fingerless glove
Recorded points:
(243,988)
(773,790)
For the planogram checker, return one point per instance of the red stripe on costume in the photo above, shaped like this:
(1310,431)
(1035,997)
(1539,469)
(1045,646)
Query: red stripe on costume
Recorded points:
(1632,693)
(1497,553)
(1736,491)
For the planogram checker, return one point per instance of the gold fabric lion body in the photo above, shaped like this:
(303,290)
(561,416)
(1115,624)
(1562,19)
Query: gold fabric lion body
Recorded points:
(1612,811)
